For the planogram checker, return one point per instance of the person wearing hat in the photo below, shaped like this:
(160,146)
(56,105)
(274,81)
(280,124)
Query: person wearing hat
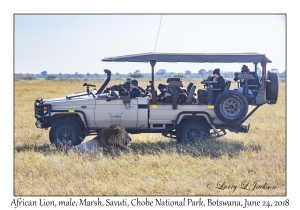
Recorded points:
(255,81)
(221,82)
(128,80)
(202,94)
(164,92)
(134,90)
(125,85)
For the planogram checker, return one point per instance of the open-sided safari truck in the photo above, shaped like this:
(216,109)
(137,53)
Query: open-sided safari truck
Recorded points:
(75,116)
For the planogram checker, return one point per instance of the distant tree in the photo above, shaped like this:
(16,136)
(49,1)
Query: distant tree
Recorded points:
(210,72)
(274,70)
(282,74)
(180,75)
(18,75)
(29,77)
(135,75)
(188,72)
(228,74)
(50,77)
(44,73)
(161,72)
(202,73)
(137,71)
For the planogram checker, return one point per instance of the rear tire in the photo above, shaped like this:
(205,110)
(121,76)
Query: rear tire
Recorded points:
(66,132)
(191,131)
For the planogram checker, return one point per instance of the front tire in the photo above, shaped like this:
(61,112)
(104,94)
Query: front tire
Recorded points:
(192,131)
(66,132)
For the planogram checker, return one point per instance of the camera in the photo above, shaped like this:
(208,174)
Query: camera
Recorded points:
(209,78)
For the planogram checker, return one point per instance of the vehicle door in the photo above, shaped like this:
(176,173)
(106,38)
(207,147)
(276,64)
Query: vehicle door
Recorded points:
(113,110)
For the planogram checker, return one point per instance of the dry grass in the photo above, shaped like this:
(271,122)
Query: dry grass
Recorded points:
(157,165)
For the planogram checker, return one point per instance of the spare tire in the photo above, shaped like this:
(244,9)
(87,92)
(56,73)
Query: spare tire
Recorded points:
(231,107)
(272,87)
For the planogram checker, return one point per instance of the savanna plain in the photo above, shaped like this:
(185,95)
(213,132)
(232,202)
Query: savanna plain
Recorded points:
(251,163)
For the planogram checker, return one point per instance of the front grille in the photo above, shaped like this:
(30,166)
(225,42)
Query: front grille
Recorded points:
(40,108)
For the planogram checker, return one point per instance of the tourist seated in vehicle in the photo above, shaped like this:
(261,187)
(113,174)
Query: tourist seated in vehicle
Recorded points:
(217,87)
(253,83)
(134,90)
(125,85)
(164,93)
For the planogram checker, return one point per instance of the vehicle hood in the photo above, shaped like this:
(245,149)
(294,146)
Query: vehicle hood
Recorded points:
(71,102)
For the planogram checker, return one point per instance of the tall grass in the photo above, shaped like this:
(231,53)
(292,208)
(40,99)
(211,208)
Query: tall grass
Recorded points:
(156,165)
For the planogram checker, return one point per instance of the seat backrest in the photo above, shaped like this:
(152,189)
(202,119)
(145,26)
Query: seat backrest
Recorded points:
(227,85)
(175,84)
(173,79)
(256,80)
(190,85)
(190,96)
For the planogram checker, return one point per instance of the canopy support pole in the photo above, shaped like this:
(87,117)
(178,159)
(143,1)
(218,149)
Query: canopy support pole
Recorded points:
(263,79)
(152,63)
(255,64)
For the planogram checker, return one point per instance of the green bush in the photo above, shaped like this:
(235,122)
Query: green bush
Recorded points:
(135,75)
(50,77)
(25,78)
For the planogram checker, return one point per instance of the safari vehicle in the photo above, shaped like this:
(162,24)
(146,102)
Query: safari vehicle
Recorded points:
(78,115)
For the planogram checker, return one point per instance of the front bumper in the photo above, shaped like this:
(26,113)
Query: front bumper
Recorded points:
(40,124)
(42,112)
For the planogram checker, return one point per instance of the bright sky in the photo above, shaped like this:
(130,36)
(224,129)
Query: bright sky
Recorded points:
(77,43)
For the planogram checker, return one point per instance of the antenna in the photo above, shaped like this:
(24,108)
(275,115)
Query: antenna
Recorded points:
(157,33)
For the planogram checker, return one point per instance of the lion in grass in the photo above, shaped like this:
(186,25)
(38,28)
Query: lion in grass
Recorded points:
(114,138)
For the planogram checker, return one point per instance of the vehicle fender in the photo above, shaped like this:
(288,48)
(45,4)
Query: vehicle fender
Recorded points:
(181,116)
(65,114)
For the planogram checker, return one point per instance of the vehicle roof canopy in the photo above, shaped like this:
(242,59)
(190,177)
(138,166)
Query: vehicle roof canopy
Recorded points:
(191,57)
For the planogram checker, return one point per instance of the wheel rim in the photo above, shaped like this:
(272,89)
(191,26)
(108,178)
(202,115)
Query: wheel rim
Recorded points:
(231,107)
(65,136)
(193,134)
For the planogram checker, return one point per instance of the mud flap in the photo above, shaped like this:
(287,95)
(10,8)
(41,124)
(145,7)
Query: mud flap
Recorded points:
(261,98)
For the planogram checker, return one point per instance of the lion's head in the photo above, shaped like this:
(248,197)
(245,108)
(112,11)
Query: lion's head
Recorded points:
(114,136)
